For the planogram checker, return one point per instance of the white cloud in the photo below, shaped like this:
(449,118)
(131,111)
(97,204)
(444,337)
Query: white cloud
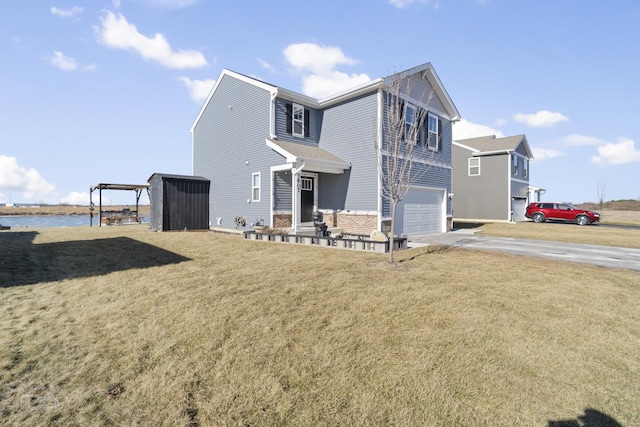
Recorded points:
(28,182)
(317,64)
(62,61)
(617,153)
(198,89)
(266,65)
(314,58)
(465,129)
(321,86)
(168,4)
(542,118)
(401,4)
(580,140)
(116,32)
(66,13)
(545,153)
(76,198)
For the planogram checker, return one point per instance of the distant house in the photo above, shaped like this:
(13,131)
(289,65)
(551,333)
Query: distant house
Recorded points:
(491,178)
(273,154)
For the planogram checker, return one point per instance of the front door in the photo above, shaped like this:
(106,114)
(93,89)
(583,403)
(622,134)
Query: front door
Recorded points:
(307,199)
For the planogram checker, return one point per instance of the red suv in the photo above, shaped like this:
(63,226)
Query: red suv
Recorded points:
(542,211)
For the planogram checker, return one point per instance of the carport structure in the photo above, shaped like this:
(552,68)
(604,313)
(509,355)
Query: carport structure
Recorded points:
(138,188)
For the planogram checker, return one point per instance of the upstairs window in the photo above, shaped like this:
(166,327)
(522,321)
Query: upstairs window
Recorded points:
(525,168)
(474,166)
(255,187)
(433,131)
(514,161)
(297,120)
(410,130)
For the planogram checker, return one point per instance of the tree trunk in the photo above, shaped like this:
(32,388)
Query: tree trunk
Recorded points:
(394,204)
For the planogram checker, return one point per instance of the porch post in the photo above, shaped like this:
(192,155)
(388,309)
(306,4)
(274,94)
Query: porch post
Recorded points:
(296,188)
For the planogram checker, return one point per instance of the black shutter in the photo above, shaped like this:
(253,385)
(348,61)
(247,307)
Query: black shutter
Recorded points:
(289,118)
(439,134)
(306,123)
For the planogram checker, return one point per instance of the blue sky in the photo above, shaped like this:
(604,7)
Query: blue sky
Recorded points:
(106,90)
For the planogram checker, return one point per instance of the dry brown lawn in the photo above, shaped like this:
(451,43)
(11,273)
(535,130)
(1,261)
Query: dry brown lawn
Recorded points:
(123,326)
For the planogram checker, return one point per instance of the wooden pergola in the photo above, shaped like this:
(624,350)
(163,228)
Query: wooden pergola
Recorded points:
(138,188)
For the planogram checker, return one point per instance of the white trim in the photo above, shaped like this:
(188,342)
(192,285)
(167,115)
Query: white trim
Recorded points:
(380,112)
(253,187)
(476,166)
(521,181)
(465,147)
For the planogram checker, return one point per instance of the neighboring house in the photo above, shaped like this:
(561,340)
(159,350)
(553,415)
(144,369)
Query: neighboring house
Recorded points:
(272,155)
(491,178)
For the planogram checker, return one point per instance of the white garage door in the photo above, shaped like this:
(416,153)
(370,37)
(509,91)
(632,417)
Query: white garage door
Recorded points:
(422,212)
(519,207)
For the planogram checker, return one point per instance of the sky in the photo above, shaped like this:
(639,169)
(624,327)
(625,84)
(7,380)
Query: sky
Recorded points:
(105,91)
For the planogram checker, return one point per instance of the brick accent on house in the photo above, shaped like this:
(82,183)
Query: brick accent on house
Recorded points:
(281,220)
(357,223)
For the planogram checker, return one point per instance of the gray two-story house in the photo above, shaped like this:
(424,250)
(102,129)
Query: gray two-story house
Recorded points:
(274,155)
(491,178)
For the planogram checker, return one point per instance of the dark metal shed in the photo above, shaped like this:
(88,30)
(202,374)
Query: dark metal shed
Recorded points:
(179,202)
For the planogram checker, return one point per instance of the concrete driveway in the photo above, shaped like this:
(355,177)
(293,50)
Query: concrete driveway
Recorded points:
(603,256)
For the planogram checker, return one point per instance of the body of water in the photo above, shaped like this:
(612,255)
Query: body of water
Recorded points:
(46,221)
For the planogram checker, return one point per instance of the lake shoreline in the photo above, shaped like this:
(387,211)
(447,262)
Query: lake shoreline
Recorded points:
(64,210)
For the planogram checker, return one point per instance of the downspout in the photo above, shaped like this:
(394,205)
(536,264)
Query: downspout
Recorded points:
(295,196)
(379,113)
(272,113)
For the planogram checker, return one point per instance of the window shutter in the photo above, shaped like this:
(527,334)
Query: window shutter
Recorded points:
(306,123)
(439,134)
(289,118)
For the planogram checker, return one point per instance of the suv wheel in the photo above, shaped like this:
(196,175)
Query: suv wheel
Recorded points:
(583,220)
(537,217)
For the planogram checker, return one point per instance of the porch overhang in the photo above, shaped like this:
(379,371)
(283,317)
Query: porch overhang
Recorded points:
(314,159)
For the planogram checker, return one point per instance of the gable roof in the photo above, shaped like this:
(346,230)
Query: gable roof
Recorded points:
(425,70)
(485,145)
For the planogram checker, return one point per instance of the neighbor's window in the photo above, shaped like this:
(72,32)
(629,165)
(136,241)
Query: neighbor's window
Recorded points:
(474,166)
(433,132)
(514,161)
(255,187)
(525,168)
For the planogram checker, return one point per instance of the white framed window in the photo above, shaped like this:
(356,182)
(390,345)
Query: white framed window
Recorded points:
(255,187)
(410,133)
(433,132)
(474,166)
(298,120)
(525,168)
(514,161)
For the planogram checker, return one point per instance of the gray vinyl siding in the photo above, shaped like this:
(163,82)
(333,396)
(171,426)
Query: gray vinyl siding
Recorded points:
(281,123)
(348,132)
(282,191)
(432,172)
(519,189)
(484,197)
(229,146)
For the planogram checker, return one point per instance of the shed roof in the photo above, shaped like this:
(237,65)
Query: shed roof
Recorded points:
(316,158)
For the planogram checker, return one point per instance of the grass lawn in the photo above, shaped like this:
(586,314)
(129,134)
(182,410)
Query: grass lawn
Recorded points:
(123,326)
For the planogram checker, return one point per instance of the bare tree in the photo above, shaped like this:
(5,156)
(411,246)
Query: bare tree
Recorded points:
(401,142)
(601,188)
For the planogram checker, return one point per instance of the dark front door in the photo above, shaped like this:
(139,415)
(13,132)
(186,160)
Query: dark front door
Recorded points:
(307,199)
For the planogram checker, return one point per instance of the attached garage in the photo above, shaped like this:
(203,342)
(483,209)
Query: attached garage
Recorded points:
(422,211)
